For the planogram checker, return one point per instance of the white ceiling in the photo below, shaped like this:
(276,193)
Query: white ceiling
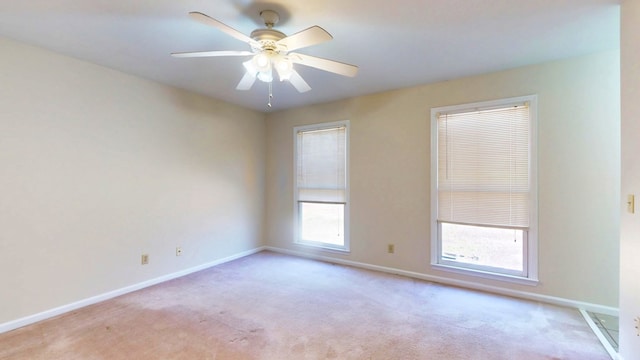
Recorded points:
(395,43)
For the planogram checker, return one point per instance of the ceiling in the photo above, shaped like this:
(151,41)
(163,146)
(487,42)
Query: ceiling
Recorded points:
(396,44)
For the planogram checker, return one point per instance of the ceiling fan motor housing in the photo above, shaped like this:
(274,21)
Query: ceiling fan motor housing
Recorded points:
(268,38)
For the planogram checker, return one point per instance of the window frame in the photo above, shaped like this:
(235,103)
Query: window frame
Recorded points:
(530,241)
(345,248)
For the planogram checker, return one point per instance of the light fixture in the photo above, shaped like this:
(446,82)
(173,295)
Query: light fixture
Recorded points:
(262,61)
(265,76)
(284,67)
(261,67)
(263,64)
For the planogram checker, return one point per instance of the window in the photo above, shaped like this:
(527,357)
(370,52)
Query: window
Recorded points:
(321,185)
(483,195)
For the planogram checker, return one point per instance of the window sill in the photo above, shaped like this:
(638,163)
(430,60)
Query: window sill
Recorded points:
(487,275)
(320,246)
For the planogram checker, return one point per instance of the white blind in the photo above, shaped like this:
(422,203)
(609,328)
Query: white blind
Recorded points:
(483,167)
(321,165)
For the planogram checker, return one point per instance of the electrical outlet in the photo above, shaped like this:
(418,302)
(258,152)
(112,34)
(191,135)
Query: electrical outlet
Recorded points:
(391,248)
(144,259)
(637,322)
(631,203)
(178,251)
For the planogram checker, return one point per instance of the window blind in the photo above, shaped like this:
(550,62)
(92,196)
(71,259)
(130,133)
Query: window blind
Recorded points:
(483,167)
(321,165)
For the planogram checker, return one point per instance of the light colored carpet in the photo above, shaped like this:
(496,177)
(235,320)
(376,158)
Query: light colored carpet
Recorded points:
(272,306)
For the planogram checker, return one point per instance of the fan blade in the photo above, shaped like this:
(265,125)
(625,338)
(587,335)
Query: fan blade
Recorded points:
(210,53)
(324,64)
(207,20)
(298,82)
(311,36)
(247,81)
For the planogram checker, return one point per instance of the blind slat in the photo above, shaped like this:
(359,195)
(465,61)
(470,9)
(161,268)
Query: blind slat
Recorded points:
(483,167)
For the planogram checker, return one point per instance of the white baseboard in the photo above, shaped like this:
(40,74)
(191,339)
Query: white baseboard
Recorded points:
(601,309)
(11,325)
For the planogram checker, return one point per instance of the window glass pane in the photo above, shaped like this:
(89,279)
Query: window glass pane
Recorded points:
(483,246)
(322,223)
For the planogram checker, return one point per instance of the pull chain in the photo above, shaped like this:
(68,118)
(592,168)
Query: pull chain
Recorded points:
(270,94)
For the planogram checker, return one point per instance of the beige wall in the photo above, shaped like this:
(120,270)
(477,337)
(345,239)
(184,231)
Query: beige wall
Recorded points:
(98,167)
(579,167)
(630,223)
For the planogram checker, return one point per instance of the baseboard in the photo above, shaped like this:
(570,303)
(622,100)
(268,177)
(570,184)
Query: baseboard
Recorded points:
(601,309)
(11,325)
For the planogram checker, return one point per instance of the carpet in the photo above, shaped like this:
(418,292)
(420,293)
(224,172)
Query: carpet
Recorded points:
(273,306)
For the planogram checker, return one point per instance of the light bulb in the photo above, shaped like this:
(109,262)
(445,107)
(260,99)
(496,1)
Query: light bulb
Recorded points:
(284,68)
(262,62)
(265,76)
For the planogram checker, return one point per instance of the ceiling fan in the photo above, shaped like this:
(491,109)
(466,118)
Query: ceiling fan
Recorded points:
(271,52)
